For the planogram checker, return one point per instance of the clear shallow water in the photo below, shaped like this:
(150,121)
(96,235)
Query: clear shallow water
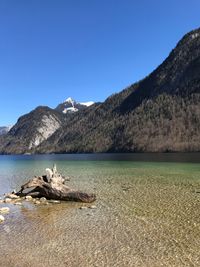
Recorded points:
(148,212)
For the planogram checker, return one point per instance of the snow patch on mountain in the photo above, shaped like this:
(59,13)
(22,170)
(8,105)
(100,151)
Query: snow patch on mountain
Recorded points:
(70,100)
(87,104)
(70,109)
(71,106)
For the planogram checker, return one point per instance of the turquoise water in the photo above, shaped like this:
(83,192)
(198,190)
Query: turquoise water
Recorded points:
(147,212)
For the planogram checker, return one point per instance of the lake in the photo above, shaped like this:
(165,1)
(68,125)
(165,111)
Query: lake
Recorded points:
(148,212)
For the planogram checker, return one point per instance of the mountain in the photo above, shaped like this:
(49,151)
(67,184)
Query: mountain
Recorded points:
(37,126)
(178,75)
(70,106)
(5,129)
(31,129)
(160,113)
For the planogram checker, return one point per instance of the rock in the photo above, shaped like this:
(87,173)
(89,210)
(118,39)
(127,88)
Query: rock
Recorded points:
(18,203)
(7,200)
(43,199)
(93,207)
(2,219)
(37,202)
(1,201)
(12,196)
(54,201)
(17,200)
(28,198)
(83,208)
(4,210)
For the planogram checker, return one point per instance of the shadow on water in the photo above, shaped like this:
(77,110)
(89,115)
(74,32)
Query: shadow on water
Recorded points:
(143,157)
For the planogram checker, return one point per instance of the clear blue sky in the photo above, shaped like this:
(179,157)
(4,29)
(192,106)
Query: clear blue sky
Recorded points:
(86,49)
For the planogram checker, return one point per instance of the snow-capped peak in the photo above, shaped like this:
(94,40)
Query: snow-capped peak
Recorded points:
(71,106)
(69,99)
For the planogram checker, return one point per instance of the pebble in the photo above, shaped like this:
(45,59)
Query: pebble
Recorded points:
(7,200)
(18,203)
(4,210)
(37,202)
(17,200)
(83,208)
(2,219)
(1,201)
(43,199)
(12,196)
(93,207)
(54,201)
(28,198)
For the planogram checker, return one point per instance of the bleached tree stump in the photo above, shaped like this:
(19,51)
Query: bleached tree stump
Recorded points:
(52,186)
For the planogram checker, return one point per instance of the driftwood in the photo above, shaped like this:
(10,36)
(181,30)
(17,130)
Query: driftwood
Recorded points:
(52,186)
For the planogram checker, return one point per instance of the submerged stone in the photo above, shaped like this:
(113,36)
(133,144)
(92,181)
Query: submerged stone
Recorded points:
(7,200)
(43,199)
(4,210)
(54,201)
(28,198)
(93,207)
(2,219)
(12,196)
(18,203)
(83,208)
